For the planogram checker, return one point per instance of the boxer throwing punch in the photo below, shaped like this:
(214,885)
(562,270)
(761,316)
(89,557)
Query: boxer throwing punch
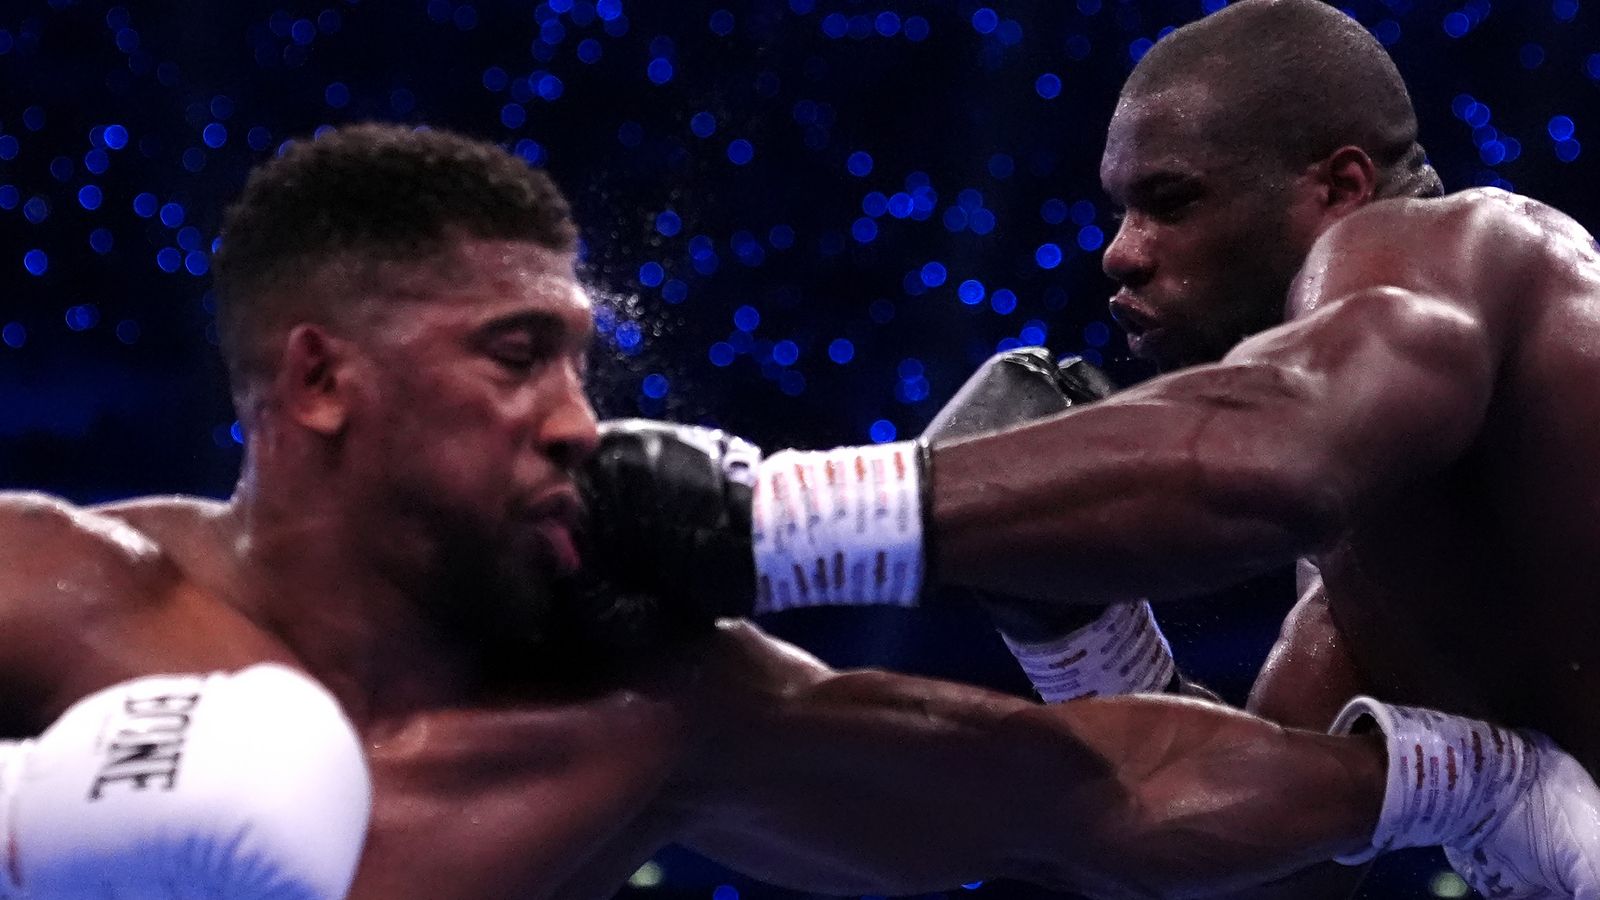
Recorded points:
(405,332)
(1397,389)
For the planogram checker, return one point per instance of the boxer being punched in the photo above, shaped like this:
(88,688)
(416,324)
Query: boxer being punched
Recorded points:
(1416,419)
(405,333)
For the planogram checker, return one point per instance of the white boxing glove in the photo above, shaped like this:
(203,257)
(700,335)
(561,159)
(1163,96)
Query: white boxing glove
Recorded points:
(201,787)
(1517,816)
(1547,845)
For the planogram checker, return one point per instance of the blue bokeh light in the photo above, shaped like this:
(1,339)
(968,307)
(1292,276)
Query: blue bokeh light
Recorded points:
(746,318)
(82,317)
(629,336)
(882,431)
(36,262)
(1003,301)
(785,352)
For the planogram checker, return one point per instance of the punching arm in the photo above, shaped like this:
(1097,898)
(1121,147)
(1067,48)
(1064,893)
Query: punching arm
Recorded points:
(1200,478)
(879,783)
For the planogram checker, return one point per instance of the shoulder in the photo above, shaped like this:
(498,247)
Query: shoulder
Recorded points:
(71,582)
(40,530)
(1479,251)
(60,562)
(160,516)
(1487,225)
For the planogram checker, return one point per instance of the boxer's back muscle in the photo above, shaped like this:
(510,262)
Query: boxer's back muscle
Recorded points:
(1476,591)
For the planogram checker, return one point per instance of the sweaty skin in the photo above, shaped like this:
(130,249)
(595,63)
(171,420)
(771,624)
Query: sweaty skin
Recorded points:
(1423,429)
(737,745)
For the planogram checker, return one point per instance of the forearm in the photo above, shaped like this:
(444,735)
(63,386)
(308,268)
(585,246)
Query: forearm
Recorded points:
(877,783)
(1185,485)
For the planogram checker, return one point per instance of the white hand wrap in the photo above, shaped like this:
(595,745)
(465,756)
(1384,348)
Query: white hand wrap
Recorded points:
(839,527)
(1449,777)
(222,787)
(1517,816)
(1122,652)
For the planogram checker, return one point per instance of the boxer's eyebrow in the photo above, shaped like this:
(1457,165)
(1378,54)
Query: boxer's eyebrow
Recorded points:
(1156,183)
(541,324)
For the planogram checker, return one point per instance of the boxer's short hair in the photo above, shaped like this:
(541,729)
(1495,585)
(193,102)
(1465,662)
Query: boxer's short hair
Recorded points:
(1290,82)
(374,193)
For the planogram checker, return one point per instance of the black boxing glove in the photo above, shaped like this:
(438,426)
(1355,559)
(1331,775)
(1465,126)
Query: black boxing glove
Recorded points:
(670,508)
(667,514)
(1075,651)
(1012,388)
(698,519)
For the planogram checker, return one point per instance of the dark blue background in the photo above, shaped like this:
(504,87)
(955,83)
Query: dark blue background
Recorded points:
(807,219)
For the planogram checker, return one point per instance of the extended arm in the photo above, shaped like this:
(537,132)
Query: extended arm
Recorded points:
(1196,479)
(871,782)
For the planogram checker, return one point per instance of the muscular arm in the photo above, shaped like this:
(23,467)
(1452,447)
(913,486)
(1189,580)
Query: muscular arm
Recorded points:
(872,782)
(1199,478)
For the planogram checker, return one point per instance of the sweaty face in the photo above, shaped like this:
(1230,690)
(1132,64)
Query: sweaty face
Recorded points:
(476,417)
(1210,237)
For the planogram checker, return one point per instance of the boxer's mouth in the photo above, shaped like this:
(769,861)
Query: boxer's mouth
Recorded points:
(1143,325)
(1133,315)
(554,517)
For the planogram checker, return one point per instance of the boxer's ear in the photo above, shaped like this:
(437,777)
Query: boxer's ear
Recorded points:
(315,379)
(1349,180)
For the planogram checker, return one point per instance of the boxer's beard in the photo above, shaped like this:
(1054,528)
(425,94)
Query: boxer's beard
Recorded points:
(524,625)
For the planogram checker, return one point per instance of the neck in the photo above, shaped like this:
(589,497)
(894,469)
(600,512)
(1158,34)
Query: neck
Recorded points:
(351,608)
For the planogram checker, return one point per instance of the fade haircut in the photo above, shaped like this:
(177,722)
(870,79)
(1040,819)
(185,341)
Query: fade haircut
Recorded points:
(361,195)
(1292,81)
